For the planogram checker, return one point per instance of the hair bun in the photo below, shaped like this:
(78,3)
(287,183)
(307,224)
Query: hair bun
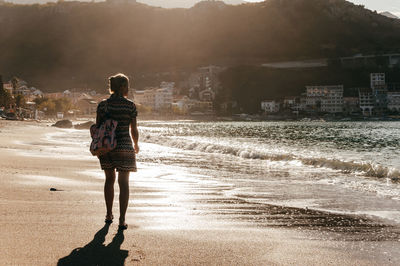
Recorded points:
(118,82)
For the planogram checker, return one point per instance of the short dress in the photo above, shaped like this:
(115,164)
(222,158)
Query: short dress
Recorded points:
(122,110)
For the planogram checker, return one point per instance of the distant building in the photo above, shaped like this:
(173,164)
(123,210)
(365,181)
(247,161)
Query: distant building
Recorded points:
(270,106)
(333,101)
(293,103)
(208,77)
(207,95)
(8,87)
(393,94)
(22,90)
(290,101)
(163,99)
(201,107)
(154,98)
(377,80)
(185,105)
(381,99)
(379,90)
(393,98)
(367,100)
(146,97)
(325,98)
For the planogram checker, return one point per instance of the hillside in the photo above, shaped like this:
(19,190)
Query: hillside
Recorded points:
(74,44)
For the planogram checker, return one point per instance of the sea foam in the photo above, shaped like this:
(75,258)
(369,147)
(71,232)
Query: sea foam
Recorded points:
(369,169)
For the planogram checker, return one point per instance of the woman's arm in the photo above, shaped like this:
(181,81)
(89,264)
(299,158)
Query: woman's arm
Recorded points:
(135,134)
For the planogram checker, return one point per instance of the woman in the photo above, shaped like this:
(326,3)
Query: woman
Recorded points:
(122,158)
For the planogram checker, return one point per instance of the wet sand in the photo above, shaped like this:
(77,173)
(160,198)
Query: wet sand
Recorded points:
(170,222)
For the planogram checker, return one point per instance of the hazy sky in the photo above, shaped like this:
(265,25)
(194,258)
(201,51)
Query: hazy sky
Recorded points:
(392,6)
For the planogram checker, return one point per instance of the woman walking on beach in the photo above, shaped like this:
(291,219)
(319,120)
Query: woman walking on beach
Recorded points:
(121,159)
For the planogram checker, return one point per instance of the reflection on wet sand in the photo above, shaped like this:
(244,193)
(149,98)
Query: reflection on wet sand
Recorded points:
(180,200)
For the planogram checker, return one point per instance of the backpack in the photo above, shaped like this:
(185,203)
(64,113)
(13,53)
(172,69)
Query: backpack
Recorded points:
(103,137)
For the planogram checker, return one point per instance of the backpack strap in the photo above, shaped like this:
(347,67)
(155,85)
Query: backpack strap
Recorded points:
(106,112)
(106,115)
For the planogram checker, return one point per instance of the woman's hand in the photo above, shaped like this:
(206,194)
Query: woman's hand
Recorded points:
(137,148)
(135,134)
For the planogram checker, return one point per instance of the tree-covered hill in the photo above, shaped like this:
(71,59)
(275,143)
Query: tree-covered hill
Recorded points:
(70,44)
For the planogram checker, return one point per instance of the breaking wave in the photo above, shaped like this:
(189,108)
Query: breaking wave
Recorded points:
(365,168)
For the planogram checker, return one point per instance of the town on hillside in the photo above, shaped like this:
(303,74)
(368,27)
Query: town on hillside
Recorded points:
(19,101)
(380,99)
(196,97)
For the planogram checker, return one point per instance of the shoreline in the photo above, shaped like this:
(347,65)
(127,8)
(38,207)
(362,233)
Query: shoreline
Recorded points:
(40,227)
(233,118)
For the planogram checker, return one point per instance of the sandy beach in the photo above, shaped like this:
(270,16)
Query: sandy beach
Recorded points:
(66,227)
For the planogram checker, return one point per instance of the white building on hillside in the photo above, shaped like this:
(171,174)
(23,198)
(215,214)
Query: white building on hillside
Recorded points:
(333,101)
(146,97)
(325,98)
(163,98)
(154,98)
(367,100)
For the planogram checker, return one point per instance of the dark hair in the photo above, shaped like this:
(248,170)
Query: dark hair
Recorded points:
(118,83)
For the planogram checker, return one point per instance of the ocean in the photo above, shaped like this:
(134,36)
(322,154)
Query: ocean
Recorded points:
(336,175)
(341,167)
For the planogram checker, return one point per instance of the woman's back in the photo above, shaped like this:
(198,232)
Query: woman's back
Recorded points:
(123,111)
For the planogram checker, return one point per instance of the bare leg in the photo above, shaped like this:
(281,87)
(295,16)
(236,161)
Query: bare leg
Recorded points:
(109,192)
(123,181)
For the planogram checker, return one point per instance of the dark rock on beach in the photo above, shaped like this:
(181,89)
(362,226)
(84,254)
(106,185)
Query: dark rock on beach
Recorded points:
(63,124)
(85,125)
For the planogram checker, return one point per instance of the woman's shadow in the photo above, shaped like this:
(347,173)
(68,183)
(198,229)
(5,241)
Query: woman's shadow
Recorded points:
(96,253)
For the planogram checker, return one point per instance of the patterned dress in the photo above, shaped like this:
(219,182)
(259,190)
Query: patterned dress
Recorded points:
(122,158)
